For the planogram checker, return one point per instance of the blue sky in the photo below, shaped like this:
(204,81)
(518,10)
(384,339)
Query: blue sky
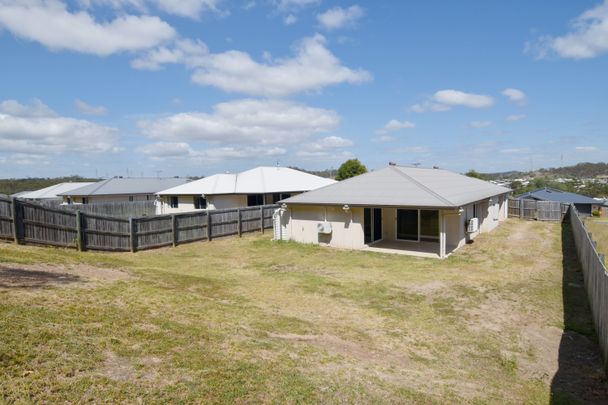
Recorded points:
(195,87)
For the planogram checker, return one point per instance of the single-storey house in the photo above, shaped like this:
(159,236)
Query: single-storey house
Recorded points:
(120,189)
(51,193)
(427,212)
(584,205)
(258,186)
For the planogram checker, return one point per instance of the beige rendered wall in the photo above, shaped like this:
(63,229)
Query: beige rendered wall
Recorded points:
(185,203)
(347,227)
(219,202)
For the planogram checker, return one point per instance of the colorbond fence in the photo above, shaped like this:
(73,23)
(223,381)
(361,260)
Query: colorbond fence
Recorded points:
(596,279)
(27,222)
(539,210)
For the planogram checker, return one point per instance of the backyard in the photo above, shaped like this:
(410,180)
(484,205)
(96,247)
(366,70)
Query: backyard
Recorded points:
(599,229)
(504,320)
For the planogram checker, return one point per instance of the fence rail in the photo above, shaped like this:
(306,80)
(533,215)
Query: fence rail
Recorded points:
(124,209)
(596,279)
(28,222)
(538,210)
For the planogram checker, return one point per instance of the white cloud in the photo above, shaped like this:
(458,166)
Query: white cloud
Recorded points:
(88,109)
(587,148)
(51,24)
(515,95)
(290,19)
(36,109)
(26,131)
(248,121)
(460,98)
(391,126)
(588,37)
(480,124)
(294,5)
(414,149)
(312,68)
(339,17)
(516,117)
(444,100)
(180,150)
(182,8)
(428,106)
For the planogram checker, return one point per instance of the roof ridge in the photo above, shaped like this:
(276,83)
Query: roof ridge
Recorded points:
(445,200)
(103,183)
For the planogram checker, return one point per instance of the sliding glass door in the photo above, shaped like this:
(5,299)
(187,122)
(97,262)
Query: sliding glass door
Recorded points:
(372,225)
(408,225)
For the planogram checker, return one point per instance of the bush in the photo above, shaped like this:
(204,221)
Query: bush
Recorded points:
(595,213)
(350,168)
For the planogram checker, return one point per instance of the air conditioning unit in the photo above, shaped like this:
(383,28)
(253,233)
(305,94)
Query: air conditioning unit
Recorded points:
(324,228)
(473,225)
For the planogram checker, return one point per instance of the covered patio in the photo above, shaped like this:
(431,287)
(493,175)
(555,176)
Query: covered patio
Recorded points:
(421,249)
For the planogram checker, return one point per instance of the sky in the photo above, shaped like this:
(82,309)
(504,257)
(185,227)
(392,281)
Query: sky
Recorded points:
(195,87)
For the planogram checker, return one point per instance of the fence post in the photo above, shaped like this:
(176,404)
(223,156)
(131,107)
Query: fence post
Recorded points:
(262,218)
(174,229)
(79,234)
(521,208)
(17,221)
(132,235)
(239,224)
(208,225)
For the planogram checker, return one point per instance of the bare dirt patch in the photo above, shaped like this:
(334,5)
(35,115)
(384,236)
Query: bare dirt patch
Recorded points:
(44,275)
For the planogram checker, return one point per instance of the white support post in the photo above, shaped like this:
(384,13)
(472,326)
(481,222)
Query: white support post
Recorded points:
(442,238)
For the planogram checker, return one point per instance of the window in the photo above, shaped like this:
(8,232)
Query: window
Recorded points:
(69,200)
(429,225)
(148,197)
(200,203)
(407,224)
(255,199)
(85,200)
(276,197)
(173,201)
(130,198)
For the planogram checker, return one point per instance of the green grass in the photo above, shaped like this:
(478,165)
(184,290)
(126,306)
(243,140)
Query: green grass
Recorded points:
(251,320)
(599,229)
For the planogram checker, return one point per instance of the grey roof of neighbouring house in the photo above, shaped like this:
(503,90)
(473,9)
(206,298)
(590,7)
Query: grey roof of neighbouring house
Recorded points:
(552,194)
(128,185)
(399,186)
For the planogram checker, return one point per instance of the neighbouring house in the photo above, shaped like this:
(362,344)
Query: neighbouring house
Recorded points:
(426,212)
(51,193)
(584,205)
(120,189)
(258,186)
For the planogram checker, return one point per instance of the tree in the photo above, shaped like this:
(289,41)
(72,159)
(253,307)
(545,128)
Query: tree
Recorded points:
(350,168)
(475,174)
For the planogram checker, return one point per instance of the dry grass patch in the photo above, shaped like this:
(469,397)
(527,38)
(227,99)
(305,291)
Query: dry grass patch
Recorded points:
(251,320)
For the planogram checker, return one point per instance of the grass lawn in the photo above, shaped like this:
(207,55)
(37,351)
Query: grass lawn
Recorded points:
(251,320)
(599,230)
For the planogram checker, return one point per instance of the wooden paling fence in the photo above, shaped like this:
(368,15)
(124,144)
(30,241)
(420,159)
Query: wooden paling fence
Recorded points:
(539,210)
(27,222)
(596,279)
(124,209)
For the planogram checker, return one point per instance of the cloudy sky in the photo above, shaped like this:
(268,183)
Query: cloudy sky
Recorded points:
(194,87)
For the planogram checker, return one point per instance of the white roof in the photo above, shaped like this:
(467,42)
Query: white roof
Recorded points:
(53,192)
(398,186)
(259,180)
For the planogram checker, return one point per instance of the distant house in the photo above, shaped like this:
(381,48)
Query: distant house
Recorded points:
(427,212)
(585,205)
(119,189)
(51,193)
(258,186)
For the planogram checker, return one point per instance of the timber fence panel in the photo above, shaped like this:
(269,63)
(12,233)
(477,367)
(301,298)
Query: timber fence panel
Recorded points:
(6,218)
(529,209)
(596,279)
(123,209)
(224,222)
(514,207)
(153,232)
(250,219)
(268,211)
(47,225)
(191,227)
(105,233)
(549,210)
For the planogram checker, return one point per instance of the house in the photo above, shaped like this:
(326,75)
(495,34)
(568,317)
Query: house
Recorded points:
(585,205)
(51,193)
(258,186)
(120,189)
(426,212)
